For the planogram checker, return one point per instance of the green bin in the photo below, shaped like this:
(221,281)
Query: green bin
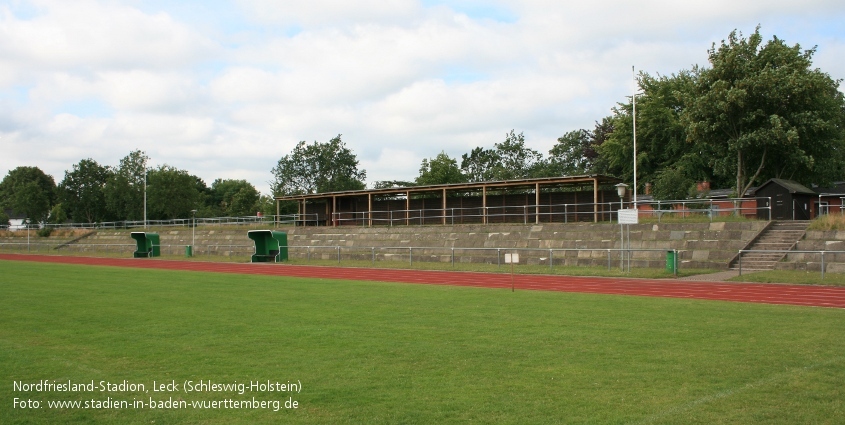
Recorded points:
(270,245)
(189,251)
(148,245)
(671,262)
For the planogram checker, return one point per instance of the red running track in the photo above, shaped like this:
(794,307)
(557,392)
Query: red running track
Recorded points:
(805,295)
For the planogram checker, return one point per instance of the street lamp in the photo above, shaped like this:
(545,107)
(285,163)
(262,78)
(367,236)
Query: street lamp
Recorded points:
(620,189)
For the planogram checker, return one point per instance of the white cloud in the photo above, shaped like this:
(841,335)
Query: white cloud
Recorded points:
(402,80)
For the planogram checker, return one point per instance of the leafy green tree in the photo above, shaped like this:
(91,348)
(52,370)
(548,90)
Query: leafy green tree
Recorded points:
(762,111)
(172,193)
(58,215)
(568,157)
(662,146)
(509,160)
(81,191)
(32,201)
(577,152)
(29,191)
(124,189)
(516,160)
(387,184)
(480,164)
(234,198)
(672,183)
(318,168)
(4,219)
(440,170)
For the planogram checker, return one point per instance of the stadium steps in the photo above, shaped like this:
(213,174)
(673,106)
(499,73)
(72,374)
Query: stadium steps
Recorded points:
(779,236)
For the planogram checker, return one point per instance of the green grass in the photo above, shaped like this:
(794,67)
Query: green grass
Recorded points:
(792,276)
(369,352)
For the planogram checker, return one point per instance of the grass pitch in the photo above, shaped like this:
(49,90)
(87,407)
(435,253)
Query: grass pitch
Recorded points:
(367,352)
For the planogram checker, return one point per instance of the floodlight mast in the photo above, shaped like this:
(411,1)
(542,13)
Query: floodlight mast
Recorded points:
(634,116)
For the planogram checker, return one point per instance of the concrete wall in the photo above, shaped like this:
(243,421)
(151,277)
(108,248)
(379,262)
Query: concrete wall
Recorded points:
(701,245)
(817,240)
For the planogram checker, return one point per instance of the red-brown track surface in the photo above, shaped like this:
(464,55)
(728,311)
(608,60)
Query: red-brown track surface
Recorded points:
(805,295)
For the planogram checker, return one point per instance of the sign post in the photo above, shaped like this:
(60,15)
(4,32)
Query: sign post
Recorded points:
(512,259)
(628,217)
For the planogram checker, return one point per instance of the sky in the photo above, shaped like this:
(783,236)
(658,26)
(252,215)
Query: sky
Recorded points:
(224,89)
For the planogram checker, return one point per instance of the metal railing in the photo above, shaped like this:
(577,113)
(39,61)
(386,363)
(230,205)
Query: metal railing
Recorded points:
(562,213)
(525,214)
(272,220)
(623,258)
(821,254)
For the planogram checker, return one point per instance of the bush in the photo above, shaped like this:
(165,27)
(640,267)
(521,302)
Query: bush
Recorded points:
(45,232)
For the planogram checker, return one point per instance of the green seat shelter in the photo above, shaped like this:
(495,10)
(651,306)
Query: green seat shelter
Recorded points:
(148,245)
(270,245)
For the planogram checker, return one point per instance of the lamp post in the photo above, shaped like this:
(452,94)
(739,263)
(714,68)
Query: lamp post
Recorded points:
(620,189)
(146,171)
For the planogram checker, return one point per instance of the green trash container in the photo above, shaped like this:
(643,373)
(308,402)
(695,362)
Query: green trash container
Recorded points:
(147,245)
(671,262)
(189,251)
(270,246)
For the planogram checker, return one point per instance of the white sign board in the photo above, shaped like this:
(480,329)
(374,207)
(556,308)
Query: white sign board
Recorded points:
(511,258)
(629,216)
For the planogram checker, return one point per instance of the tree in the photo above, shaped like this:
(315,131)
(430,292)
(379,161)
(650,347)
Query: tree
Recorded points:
(761,111)
(81,191)
(662,144)
(508,160)
(569,156)
(388,184)
(440,170)
(516,160)
(172,193)
(28,190)
(124,189)
(480,164)
(234,198)
(318,168)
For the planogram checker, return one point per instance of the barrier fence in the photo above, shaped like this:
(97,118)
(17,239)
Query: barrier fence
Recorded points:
(612,257)
(820,254)
(545,213)
(558,213)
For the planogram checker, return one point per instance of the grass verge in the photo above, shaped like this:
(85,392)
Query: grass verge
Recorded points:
(368,352)
(792,276)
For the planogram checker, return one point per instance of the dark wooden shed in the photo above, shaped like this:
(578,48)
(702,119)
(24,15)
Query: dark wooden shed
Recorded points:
(789,200)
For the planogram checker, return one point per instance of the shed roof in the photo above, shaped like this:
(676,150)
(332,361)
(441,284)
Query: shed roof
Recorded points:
(544,181)
(792,186)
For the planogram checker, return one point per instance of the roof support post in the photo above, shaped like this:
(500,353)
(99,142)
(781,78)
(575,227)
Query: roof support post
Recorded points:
(484,204)
(334,208)
(537,203)
(370,209)
(595,200)
(444,206)
(407,207)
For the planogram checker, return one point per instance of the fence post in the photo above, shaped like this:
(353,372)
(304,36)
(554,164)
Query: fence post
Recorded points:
(411,256)
(374,256)
(551,259)
(608,259)
(498,257)
(338,254)
(740,262)
(675,260)
(453,257)
(770,208)
(822,265)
